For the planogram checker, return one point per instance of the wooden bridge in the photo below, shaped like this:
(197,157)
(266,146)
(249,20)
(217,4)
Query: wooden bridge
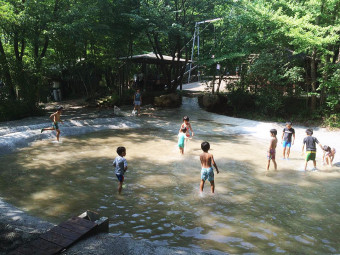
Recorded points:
(64,235)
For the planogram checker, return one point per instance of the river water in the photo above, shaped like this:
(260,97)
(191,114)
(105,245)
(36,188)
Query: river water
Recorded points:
(288,211)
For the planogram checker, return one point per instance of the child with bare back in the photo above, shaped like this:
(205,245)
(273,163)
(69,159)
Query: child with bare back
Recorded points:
(55,117)
(272,149)
(207,172)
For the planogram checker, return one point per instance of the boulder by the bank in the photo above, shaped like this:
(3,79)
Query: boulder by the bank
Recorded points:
(213,102)
(170,100)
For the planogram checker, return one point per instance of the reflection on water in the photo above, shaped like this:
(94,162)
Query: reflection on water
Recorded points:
(287,211)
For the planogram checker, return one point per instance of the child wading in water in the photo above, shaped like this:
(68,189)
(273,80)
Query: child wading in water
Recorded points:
(55,117)
(120,165)
(328,155)
(207,172)
(310,142)
(272,147)
(287,142)
(181,138)
(186,124)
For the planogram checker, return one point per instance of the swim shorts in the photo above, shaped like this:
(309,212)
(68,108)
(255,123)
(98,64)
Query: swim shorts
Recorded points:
(310,155)
(271,154)
(120,177)
(286,144)
(137,102)
(55,125)
(207,173)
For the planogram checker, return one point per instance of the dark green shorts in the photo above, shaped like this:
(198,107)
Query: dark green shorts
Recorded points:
(55,125)
(310,155)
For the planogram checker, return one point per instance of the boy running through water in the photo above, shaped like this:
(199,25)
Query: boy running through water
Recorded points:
(287,142)
(120,165)
(55,117)
(310,142)
(272,149)
(207,172)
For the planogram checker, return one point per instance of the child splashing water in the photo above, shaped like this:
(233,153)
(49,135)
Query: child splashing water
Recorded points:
(186,124)
(55,118)
(328,155)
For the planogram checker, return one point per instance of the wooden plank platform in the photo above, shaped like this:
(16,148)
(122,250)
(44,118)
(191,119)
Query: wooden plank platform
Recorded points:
(60,237)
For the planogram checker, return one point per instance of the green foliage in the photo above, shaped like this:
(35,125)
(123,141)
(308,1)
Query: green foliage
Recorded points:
(332,120)
(269,102)
(13,109)
(332,87)
(81,43)
(240,101)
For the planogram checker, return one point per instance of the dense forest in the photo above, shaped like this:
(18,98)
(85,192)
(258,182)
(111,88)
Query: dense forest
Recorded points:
(287,51)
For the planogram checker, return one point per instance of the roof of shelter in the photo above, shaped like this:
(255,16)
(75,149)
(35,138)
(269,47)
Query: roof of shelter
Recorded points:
(152,58)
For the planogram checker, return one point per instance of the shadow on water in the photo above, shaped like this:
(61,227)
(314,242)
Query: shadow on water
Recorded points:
(286,211)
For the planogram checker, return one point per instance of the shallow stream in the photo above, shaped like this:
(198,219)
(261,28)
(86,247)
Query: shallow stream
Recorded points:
(288,211)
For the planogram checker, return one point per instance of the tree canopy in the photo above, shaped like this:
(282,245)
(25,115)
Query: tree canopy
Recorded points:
(81,43)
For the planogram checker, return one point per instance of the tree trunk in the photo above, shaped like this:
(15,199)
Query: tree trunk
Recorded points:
(313,70)
(7,74)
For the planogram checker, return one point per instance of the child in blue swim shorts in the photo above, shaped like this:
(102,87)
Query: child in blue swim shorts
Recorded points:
(287,141)
(207,172)
(120,165)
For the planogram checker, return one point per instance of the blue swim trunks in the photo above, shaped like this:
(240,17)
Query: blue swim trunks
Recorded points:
(207,173)
(120,177)
(286,144)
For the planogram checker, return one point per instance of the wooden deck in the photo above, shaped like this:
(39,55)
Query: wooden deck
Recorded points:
(62,236)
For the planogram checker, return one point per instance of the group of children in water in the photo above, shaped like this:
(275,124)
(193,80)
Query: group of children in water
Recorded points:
(288,138)
(207,159)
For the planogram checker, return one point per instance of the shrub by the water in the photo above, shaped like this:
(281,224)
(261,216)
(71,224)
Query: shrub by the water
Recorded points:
(16,109)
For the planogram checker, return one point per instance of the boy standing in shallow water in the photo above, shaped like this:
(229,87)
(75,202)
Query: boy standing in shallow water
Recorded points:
(55,117)
(272,149)
(120,165)
(310,142)
(207,172)
(287,141)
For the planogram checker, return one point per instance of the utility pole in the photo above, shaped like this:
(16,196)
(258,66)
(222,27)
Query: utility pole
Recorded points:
(197,36)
